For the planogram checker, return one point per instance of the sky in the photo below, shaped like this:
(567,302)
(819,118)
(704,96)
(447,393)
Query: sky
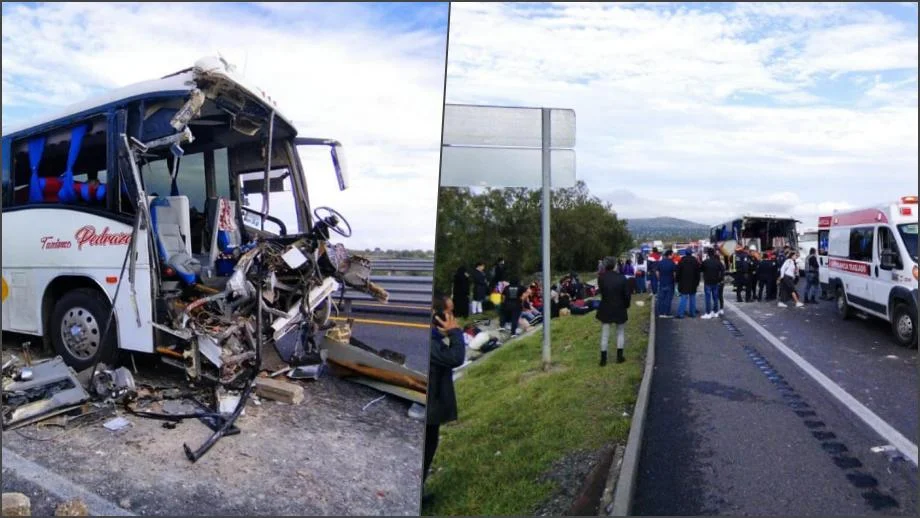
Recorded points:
(369,75)
(705,111)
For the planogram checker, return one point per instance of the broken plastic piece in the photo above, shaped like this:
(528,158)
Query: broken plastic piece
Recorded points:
(307,372)
(119,423)
(294,258)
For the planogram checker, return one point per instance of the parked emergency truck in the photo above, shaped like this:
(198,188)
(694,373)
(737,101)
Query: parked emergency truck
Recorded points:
(872,264)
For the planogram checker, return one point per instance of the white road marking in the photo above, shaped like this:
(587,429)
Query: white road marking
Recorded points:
(59,486)
(885,430)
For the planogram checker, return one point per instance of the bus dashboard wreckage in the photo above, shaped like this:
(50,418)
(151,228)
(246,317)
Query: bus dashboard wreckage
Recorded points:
(171,217)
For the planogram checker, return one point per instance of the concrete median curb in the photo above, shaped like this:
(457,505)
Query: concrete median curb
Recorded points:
(629,469)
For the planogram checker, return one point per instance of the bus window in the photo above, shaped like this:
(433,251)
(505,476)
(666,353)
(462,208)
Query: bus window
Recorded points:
(190,179)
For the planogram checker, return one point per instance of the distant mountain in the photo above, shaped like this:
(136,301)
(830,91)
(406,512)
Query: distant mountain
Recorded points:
(666,229)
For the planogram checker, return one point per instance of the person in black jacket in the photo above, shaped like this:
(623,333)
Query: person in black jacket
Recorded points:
(461,292)
(447,353)
(811,277)
(766,273)
(480,288)
(688,281)
(742,274)
(613,309)
(512,305)
(498,273)
(712,277)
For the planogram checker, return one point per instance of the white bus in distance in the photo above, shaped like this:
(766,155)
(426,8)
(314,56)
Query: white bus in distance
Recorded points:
(872,264)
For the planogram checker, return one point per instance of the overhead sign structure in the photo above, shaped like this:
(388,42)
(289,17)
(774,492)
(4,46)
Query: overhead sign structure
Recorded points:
(498,146)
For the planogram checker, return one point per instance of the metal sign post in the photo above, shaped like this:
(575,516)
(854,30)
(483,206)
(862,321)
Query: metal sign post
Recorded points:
(496,146)
(547,204)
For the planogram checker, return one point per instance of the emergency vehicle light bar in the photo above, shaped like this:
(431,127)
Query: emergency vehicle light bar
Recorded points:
(909,199)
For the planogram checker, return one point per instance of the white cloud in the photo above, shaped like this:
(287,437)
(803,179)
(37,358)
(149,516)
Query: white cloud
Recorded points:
(338,72)
(705,112)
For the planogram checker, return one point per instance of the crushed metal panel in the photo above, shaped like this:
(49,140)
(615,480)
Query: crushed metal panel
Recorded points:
(373,365)
(53,386)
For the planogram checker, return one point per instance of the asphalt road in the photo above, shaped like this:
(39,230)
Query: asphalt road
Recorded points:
(405,334)
(735,427)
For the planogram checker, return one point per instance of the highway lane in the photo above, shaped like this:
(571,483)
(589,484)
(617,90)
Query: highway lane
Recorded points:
(405,334)
(735,427)
(858,354)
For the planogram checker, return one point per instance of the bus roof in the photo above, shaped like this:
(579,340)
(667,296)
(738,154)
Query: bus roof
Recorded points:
(757,215)
(178,83)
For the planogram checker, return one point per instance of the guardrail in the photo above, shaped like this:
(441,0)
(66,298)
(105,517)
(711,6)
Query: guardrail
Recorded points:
(409,294)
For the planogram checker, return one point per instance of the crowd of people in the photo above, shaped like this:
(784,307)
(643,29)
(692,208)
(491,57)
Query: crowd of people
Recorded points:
(772,275)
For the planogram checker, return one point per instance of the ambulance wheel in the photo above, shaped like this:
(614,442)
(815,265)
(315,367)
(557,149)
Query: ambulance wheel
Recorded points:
(904,326)
(77,323)
(843,308)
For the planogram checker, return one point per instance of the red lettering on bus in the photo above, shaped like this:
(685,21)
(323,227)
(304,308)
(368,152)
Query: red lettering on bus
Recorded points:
(88,236)
(49,242)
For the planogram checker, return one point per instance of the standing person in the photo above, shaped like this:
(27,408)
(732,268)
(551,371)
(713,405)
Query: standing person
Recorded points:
(613,310)
(764,275)
(480,288)
(771,274)
(447,353)
(641,270)
(688,280)
(666,277)
(712,274)
(787,279)
(811,277)
(498,273)
(461,292)
(742,273)
(653,260)
(512,304)
(751,289)
(630,273)
(721,285)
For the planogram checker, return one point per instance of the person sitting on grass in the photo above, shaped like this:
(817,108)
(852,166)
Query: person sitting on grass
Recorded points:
(613,309)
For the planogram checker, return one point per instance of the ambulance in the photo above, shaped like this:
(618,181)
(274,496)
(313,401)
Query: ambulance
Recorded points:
(872,264)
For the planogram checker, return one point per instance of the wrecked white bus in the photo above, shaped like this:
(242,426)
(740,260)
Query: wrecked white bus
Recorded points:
(762,231)
(156,204)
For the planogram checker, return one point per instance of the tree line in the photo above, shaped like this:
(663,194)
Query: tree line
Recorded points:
(506,223)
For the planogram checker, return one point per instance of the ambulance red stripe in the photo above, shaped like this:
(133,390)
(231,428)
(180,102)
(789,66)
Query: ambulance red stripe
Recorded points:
(860,217)
(844,265)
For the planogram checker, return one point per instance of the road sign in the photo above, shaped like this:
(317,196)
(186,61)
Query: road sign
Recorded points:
(498,146)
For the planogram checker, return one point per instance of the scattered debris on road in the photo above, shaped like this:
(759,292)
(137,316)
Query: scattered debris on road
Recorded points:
(16,504)
(74,507)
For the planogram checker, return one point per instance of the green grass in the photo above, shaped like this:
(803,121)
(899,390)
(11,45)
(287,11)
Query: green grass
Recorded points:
(508,404)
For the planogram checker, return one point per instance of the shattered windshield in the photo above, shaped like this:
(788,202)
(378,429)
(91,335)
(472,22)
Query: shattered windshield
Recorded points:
(909,236)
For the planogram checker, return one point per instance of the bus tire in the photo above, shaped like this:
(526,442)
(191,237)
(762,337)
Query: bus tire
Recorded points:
(843,308)
(77,323)
(904,325)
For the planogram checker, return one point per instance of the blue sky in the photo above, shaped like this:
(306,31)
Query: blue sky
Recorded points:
(370,75)
(701,111)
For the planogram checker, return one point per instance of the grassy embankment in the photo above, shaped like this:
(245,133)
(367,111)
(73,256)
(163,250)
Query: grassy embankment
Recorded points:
(516,420)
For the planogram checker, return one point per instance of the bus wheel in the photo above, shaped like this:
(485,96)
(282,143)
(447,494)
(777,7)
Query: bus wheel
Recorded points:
(843,309)
(77,323)
(904,326)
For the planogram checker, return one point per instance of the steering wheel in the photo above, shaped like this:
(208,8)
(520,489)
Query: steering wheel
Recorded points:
(333,221)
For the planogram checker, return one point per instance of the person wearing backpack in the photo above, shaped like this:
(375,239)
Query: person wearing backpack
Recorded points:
(512,304)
